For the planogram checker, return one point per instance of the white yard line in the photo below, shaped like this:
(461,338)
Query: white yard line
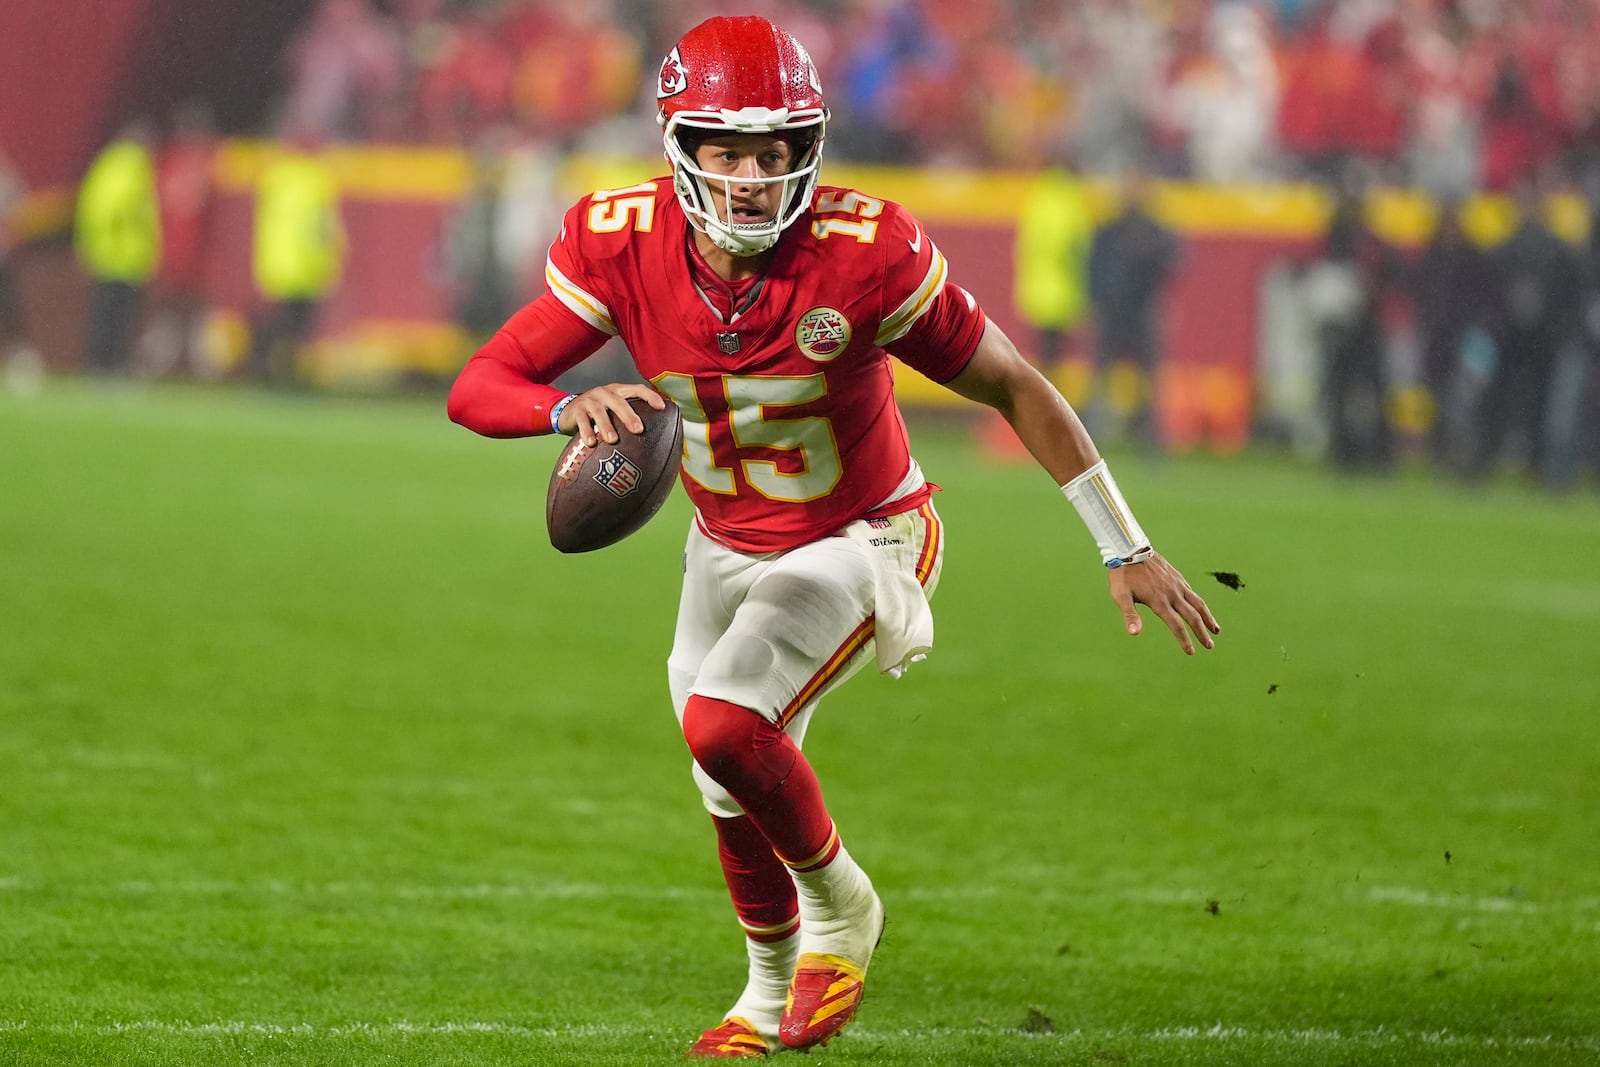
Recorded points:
(562,890)
(1219,1033)
(1422,898)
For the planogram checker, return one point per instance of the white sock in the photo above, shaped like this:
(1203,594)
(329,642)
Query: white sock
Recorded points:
(840,914)
(771,969)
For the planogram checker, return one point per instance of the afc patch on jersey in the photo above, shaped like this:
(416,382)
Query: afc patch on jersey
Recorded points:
(822,333)
(618,474)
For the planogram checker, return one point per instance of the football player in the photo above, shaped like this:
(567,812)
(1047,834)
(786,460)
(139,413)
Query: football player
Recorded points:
(767,306)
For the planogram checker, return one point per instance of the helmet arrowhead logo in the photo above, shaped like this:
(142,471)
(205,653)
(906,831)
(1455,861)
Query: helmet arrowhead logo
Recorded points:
(674,79)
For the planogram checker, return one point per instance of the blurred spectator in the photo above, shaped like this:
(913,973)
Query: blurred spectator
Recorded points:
(891,79)
(1320,71)
(466,86)
(184,189)
(1449,285)
(346,73)
(299,251)
(1360,266)
(1223,100)
(1122,55)
(1442,149)
(1051,259)
(530,211)
(1131,258)
(577,67)
(1585,442)
(1519,136)
(1055,230)
(1379,106)
(13,332)
(484,285)
(1535,302)
(118,236)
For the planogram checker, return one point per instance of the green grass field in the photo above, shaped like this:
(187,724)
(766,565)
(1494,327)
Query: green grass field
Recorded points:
(312,751)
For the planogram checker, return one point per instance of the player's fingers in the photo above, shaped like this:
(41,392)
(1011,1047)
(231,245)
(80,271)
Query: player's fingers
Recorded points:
(1197,625)
(1130,611)
(622,414)
(1169,615)
(604,409)
(594,422)
(1204,609)
(649,396)
(642,392)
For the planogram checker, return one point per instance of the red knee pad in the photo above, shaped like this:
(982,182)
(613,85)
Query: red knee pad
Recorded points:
(741,751)
(762,768)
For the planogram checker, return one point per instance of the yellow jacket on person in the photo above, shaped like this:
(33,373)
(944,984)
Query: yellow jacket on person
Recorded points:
(299,234)
(1054,232)
(117,230)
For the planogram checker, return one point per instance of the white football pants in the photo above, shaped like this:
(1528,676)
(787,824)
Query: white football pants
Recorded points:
(778,631)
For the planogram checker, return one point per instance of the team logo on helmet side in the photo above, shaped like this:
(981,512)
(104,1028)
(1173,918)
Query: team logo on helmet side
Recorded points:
(822,333)
(674,79)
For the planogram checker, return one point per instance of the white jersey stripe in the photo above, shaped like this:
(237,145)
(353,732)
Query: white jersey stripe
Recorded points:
(899,323)
(579,302)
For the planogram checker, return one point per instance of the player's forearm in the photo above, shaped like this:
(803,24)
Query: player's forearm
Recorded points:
(503,390)
(1051,430)
(492,398)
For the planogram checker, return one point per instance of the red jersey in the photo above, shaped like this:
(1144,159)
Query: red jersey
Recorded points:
(784,381)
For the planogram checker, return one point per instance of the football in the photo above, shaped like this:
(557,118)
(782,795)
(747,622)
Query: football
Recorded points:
(602,493)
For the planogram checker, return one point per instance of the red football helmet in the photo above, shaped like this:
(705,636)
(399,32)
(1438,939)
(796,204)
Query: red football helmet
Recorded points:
(740,75)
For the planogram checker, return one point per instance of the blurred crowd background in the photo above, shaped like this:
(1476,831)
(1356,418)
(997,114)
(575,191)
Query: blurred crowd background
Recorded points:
(1391,200)
(1450,96)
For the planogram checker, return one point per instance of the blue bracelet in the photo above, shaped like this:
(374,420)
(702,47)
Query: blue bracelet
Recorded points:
(1138,557)
(555,412)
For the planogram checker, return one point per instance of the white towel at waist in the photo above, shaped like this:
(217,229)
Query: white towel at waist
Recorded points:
(904,623)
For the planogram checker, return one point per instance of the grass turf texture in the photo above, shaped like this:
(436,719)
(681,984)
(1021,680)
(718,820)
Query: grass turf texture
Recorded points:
(313,751)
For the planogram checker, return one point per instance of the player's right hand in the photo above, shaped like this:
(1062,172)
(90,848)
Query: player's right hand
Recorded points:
(595,413)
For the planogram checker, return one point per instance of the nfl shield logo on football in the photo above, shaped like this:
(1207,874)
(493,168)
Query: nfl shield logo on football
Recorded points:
(618,474)
(822,333)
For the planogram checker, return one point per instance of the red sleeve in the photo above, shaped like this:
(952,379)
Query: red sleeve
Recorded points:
(941,342)
(504,389)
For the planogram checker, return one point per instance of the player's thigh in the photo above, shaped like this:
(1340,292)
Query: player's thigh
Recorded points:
(715,580)
(800,630)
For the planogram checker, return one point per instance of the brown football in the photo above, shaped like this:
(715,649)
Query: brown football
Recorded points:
(598,495)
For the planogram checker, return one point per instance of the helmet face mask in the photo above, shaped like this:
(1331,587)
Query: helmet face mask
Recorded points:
(740,76)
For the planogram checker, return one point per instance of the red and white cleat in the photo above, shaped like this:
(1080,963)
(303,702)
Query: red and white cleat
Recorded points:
(823,997)
(735,1039)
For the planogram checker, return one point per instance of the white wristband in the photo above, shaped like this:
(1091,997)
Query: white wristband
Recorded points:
(557,409)
(1101,506)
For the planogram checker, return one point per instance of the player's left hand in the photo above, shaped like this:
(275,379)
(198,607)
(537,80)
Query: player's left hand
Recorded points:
(1157,585)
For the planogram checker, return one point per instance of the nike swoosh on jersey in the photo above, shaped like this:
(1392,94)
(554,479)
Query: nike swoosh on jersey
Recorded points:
(916,245)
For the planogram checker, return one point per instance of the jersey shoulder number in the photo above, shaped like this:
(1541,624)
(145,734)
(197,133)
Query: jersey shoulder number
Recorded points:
(912,269)
(604,227)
